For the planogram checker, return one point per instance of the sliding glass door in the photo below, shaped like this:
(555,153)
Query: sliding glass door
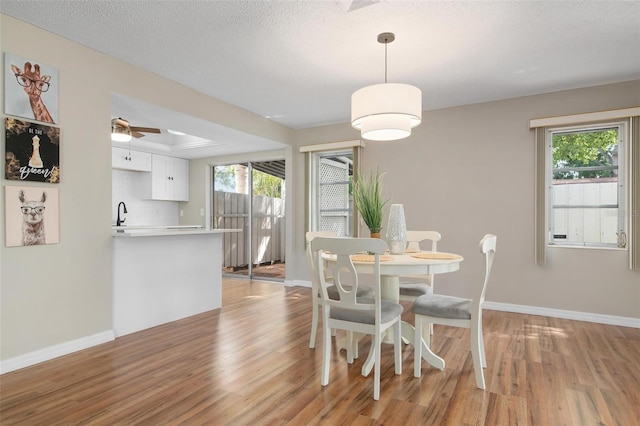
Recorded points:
(250,196)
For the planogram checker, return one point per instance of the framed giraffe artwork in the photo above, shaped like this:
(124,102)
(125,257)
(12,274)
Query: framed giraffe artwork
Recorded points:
(32,151)
(30,89)
(32,215)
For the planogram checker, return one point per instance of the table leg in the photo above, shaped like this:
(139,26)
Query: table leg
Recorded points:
(408,332)
(341,343)
(368,363)
(390,287)
(389,290)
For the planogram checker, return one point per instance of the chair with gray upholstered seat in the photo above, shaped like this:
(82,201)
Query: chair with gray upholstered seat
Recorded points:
(363,291)
(351,313)
(457,312)
(414,286)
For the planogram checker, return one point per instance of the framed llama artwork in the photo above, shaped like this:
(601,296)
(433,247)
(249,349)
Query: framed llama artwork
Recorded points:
(32,151)
(32,215)
(30,89)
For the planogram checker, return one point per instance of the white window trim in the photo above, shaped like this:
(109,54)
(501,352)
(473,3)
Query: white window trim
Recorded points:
(586,118)
(312,153)
(332,146)
(633,173)
(623,194)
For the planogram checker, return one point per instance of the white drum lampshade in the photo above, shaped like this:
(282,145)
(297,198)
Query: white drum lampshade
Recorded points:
(386,112)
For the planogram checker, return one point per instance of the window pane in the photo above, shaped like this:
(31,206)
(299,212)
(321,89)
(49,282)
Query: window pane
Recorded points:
(335,195)
(585,155)
(585,193)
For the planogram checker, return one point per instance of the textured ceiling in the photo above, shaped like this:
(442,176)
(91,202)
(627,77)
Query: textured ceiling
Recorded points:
(298,62)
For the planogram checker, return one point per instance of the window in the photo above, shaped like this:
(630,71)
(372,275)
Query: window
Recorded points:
(620,162)
(586,175)
(329,171)
(331,200)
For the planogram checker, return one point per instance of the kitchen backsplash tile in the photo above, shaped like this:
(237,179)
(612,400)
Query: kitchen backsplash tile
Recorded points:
(127,186)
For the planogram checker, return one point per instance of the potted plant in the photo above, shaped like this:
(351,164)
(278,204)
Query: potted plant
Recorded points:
(367,197)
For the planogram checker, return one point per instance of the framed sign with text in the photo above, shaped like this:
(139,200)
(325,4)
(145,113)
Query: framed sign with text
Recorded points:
(32,151)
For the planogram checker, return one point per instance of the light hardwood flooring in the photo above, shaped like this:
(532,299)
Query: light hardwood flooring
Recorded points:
(249,364)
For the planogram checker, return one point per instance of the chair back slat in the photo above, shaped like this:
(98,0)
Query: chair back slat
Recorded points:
(488,248)
(414,238)
(345,276)
(310,260)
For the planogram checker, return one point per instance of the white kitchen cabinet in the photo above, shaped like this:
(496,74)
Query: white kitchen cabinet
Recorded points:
(130,160)
(169,179)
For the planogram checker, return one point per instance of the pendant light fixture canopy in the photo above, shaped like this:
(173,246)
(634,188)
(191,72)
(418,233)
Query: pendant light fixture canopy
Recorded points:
(388,111)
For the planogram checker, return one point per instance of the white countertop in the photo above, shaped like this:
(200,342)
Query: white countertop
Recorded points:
(157,231)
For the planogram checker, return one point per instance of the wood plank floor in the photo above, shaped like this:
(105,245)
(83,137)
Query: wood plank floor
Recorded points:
(249,364)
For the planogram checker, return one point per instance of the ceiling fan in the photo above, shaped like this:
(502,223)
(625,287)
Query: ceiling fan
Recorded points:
(121,131)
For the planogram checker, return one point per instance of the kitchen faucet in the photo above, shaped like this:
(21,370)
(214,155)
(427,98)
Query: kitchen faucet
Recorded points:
(121,221)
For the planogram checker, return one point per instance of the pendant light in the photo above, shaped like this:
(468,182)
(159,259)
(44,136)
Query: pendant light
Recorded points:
(388,111)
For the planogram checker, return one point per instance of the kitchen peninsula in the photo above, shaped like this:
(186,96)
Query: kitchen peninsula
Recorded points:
(162,274)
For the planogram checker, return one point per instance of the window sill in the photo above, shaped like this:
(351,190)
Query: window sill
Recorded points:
(562,246)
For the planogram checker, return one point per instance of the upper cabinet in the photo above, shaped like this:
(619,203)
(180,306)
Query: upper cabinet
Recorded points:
(169,178)
(130,160)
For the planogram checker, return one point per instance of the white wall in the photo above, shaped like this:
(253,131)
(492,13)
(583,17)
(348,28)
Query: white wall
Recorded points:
(130,187)
(57,295)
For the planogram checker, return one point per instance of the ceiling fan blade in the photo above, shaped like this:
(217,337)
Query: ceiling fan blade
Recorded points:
(144,129)
(137,134)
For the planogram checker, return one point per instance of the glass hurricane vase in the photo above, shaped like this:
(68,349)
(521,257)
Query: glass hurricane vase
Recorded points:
(396,230)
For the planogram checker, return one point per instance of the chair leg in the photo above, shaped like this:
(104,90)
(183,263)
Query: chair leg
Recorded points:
(417,347)
(476,354)
(354,346)
(314,324)
(426,334)
(377,340)
(350,347)
(397,343)
(326,352)
(483,356)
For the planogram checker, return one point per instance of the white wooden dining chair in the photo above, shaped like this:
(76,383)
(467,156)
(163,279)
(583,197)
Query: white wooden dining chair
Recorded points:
(315,287)
(457,312)
(351,313)
(414,286)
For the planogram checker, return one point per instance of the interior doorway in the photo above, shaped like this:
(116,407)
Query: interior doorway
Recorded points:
(251,196)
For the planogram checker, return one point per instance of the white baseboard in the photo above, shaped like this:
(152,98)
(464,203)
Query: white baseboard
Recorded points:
(536,310)
(297,283)
(560,313)
(55,351)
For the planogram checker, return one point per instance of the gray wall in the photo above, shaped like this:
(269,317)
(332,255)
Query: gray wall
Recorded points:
(468,171)
(449,175)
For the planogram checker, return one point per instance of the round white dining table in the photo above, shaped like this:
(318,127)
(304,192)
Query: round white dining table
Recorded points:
(421,263)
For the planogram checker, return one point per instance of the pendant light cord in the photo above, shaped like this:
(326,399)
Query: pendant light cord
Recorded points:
(385,38)
(385,62)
